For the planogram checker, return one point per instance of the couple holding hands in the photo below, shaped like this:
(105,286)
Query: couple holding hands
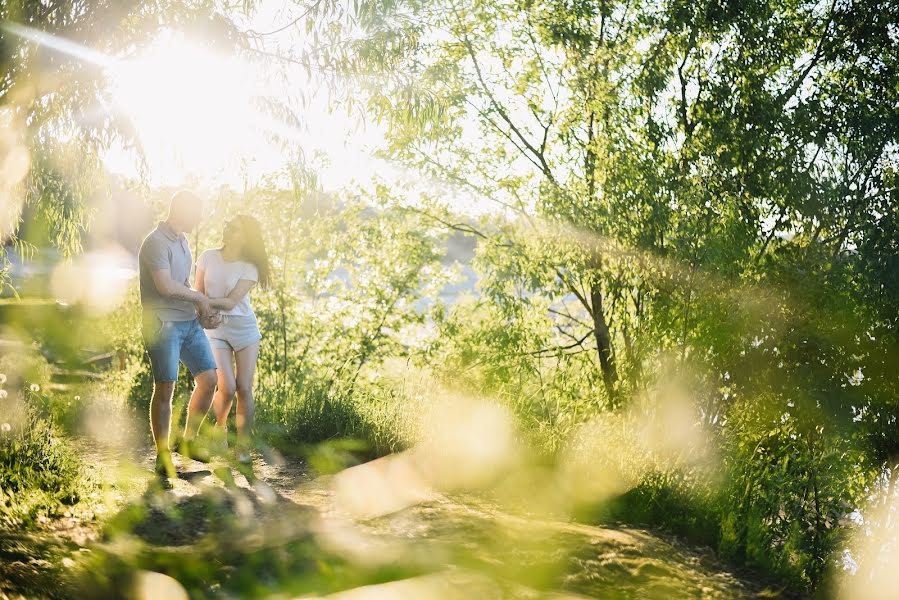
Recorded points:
(210,326)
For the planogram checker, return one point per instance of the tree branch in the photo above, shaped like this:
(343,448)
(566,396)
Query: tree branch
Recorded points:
(462,227)
(785,96)
(557,349)
(568,316)
(538,158)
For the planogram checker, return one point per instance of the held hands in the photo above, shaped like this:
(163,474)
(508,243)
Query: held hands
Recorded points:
(209,317)
(210,320)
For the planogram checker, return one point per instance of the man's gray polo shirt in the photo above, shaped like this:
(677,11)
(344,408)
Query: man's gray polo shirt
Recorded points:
(165,249)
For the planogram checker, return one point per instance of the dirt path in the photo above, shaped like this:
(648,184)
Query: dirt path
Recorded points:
(280,531)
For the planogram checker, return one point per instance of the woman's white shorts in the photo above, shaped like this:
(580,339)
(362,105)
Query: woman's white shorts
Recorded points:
(235,333)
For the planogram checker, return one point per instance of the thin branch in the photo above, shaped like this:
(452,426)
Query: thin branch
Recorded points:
(819,51)
(540,158)
(448,173)
(539,54)
(568,316)
(505,133)
(557,349)
(579,295)
(305,14)
(463,227)
(691,44)
(770,236)
(567,333)
(624,19)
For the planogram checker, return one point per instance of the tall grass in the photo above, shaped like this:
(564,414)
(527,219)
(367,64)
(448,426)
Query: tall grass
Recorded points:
(312,412)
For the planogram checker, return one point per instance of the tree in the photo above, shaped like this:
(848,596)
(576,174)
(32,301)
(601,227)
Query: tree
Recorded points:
(709,180)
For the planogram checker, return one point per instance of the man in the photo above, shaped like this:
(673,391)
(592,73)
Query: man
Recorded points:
(172,329)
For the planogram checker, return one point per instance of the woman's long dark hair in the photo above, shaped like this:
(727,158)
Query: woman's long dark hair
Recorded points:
(254,247)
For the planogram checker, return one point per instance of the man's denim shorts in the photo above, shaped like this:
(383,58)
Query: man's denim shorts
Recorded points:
(169,341)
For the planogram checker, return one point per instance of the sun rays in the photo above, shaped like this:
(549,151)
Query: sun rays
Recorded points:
(192,109)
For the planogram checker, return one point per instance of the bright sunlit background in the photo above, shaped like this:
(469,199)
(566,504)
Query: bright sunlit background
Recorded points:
(201,119)
(192,110)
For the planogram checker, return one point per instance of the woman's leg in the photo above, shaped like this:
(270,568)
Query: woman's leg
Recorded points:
(246,369)
(224,394)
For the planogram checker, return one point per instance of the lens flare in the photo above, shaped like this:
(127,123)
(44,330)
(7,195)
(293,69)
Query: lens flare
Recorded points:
(150,585)
(467,445)
(191,108)
(97,281)
(871,568)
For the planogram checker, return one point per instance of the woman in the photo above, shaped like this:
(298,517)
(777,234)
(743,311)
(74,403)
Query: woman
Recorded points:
(226,275)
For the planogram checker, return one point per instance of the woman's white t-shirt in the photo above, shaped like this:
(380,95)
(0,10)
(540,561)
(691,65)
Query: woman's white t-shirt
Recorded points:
(220,277)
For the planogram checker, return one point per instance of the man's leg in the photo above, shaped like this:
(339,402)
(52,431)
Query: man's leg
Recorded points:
(162,348)
(161,414)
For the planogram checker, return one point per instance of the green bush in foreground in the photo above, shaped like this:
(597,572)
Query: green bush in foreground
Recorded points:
(39,472)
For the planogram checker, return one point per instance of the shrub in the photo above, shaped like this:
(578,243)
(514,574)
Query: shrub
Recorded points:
(39,472)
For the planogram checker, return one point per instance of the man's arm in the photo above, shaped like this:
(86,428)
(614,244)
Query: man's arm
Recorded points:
(240,290)
(170,288)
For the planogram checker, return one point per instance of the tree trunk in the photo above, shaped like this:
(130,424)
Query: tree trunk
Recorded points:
(603,339)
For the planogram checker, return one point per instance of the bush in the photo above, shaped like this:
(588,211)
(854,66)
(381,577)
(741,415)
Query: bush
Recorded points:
(39,472)
(667,500)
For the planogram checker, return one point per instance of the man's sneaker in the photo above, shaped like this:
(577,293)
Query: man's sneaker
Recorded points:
(190,449)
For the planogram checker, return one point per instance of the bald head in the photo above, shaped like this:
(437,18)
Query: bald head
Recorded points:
(185,211)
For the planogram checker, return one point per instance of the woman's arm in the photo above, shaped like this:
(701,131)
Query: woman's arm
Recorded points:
(200,280)
(240,290)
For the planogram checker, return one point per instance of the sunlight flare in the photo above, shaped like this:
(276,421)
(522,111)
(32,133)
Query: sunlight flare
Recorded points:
(149,584)
(192,109)
(97,281)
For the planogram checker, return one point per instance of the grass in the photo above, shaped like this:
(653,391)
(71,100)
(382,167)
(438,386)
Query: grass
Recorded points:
(332,425)
(379,420)
(40,473)
(219,542)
